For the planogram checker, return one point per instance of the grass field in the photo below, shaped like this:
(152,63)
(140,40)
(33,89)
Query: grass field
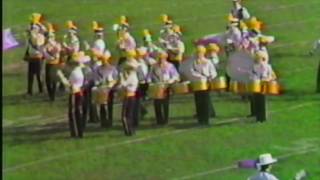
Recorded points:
(36,143)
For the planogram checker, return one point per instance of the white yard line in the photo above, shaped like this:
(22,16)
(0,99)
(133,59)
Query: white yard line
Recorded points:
(61,156)
(213,171)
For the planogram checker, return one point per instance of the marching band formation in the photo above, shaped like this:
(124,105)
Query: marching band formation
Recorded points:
(156,70)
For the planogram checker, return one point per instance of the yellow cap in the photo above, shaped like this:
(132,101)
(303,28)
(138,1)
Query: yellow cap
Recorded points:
(131,53)
(96,27)
(141,51)
(76,56)
(71,25)
(35,18)
(213,47)
(146,32)
(255,24)
(51,29)
(123,20)
(176,29)
(163,55)
(201,49)
(164,18)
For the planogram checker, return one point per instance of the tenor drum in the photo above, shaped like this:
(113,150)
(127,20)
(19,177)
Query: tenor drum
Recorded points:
(200,85)
(218,83)
(157,91)
(181,88)
(254,87)
(100,95)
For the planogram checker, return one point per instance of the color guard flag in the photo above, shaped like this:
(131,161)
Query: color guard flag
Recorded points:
(8,41)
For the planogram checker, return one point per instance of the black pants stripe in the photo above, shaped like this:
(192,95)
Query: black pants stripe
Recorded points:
(51,82)
(140,109)
(127,115)
(258,106)
(161,108)
(204,108)
(34,69)
(75,115)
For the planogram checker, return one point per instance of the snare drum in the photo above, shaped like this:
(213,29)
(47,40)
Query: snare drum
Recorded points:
(157,91)
(254,87)
(233,86)
(181,88)
(200,85)
(242,89)
(100,95)
(218,83)
(271,88)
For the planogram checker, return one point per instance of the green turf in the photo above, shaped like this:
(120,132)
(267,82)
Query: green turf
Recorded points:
(36,140)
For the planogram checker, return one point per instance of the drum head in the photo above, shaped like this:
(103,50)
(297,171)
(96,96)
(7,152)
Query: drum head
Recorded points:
(238,65)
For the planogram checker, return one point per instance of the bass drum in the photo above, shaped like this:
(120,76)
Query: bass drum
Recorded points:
(238,65)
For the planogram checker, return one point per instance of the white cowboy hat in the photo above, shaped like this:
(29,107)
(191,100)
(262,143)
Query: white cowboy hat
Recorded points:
(266,159)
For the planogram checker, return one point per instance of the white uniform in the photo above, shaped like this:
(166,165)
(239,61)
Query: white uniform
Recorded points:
(142,71)
(202,71)
(261,71)
(166,73)
(72,43)
(129,78)
(99,45)
(76,79)
(263,176)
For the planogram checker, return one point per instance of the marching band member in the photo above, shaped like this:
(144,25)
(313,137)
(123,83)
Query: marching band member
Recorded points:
(34,55)
(167,24)
(176,47)
(99,44)
(71,42)
(87,85)
(126,43)
(107,75)
(203,69)
(52,55)
(239,11)
(163,72)
(261,71)
(74,84)
(143,77)
(129,84)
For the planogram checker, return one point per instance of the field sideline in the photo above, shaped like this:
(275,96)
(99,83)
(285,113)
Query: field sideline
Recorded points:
(36,143)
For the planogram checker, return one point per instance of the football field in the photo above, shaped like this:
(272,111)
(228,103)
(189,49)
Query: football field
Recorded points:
(36,140)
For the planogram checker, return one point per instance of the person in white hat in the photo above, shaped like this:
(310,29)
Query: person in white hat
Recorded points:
(264,166)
